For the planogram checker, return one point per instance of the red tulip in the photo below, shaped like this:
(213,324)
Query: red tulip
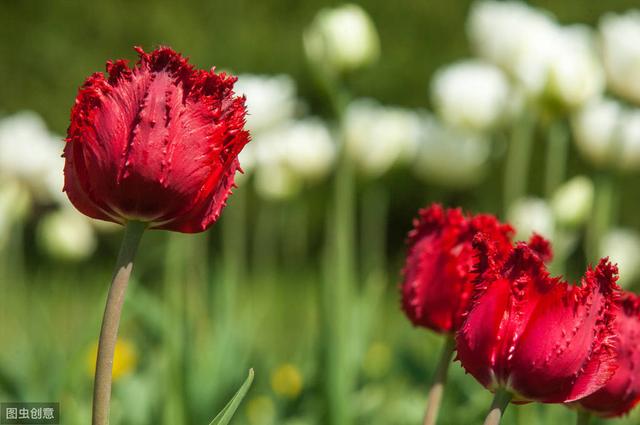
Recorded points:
(156,143)
(622,392)
(437,279)
(534,336)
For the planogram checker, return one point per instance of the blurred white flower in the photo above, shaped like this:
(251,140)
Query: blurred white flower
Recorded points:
(575,74)
(65,234)
(531,215)
(470,94)
(629,142)
(271,99)
(548,60)
(596,129)
(343,38)
(450,157)
(15,203)
(572,202)
(294,153)
(622,246)
(29,152)
(502,32)
(378,137)
(620,41)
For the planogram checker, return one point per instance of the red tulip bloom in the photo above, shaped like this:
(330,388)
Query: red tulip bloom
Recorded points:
(437,279)
(534,336)
(622,392)
(156,143)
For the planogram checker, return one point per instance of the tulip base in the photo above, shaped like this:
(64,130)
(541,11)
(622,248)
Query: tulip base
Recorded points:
(111,320)
(501,400)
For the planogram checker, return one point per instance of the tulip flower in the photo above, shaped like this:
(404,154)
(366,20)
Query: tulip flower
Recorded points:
(438,280)
(151,146)
(622,392)
(529,337)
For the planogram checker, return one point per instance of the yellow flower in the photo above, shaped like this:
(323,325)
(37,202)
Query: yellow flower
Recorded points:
(125,359)
(286,381)
(261,411)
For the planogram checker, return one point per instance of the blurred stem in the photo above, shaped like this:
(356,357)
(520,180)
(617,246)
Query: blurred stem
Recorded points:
(111,320)
(583,417)
(175,289)
(501,400)
(375,205)
(603,214)
(439,381)
(340,273)
(266,240)
(518,159)
(557,152)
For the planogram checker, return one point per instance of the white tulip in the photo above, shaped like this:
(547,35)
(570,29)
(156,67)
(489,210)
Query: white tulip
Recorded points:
(622,246)
(572,202)
(271,100)
(620,40)
(629,141)
(15,203)
(275,181)
(343,38)
(27,150)
(596,128)
(379,137)
(531,215)
(66,235)
(471,94)
(450,157)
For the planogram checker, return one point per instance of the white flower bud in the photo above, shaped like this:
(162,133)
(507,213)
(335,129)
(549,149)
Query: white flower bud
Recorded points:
(271,100)
(596,128)
(572,202)
(471,95)
(449,157)
(629,141)
(622,246)
(379,137)
(531,215)
(15,204)
(620,40)
(343,38)
(66,235)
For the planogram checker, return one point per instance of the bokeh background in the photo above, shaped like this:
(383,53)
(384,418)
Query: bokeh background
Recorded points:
(249,292)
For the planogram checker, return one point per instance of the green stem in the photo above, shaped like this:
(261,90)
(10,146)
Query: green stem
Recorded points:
(111,320)
(604,212)
(518,160)
(557,152)
(583,417)
(439,381)
(501,400)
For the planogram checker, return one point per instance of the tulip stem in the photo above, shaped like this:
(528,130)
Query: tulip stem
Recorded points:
(500,402)
(557,151)
(439,381)
(518,160)
(111,320)
(604,212)
(583,417)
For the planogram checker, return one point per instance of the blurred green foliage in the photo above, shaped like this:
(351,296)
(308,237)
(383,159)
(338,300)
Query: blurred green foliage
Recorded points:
(48,47)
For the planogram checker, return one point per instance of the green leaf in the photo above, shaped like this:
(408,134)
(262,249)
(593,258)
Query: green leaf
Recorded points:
(225,415)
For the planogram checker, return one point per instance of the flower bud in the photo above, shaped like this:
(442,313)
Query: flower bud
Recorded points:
(271,100)
(620,41)
(449,157)
(342,39)
(156,143)
(623,247)
(537,337)
(470,95)
(531,215)
(379,137)
(572,202)
(66,235)
(437,277)
(596,129)
(15,205)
